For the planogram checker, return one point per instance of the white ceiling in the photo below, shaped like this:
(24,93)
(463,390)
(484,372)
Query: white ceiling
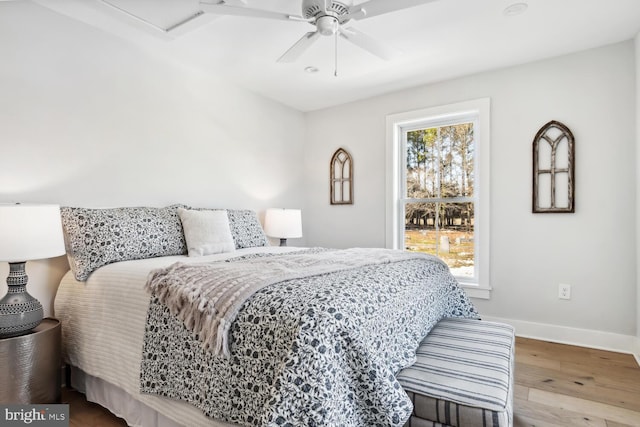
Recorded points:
(438,40)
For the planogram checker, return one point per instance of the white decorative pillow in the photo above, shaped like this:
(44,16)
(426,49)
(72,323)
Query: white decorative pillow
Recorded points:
(206,231)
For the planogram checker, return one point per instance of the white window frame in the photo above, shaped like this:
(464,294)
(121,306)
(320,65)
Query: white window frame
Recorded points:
(397,125)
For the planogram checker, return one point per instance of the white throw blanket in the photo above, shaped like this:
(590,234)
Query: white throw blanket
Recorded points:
(207,297)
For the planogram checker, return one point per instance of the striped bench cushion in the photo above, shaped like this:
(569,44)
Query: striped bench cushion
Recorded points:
(463,375)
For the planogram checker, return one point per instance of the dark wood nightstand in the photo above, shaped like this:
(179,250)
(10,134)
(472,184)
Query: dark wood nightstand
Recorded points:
(30,365)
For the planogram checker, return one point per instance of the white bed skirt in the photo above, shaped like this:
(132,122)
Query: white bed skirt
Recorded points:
(124,405)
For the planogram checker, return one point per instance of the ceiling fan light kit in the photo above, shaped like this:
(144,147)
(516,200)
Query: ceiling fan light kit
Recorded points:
(328,17)
(327,25)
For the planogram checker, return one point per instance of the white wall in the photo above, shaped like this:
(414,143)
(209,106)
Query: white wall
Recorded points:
(593,249)
(637,46)
(88,120)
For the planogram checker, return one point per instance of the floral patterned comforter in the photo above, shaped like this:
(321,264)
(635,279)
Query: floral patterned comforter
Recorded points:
(315,351)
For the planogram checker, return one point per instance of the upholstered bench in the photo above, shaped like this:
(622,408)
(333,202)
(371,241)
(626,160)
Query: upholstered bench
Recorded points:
(463,376)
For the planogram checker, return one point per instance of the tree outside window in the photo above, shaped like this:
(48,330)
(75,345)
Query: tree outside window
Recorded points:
(439,204)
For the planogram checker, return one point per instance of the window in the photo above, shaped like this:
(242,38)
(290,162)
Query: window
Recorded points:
(438,200)
(437,187)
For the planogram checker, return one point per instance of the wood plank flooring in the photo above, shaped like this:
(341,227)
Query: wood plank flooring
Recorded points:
(562,385)
(555,385)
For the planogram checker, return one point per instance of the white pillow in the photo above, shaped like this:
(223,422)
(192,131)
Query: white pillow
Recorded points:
(206,232)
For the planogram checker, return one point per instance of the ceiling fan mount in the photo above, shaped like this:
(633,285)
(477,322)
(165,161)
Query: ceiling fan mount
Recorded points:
(314,8)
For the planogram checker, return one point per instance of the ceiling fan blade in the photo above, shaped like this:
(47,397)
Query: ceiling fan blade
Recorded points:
(378,7)
(222,8)
(301,45)
(368,43)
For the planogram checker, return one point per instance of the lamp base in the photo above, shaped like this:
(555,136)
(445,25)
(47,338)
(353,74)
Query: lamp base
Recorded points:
(19,311)
(283,242)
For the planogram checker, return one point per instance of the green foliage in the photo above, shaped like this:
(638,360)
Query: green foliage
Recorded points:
(440,162)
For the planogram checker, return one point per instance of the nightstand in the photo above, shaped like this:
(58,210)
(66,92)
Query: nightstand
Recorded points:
(30,365)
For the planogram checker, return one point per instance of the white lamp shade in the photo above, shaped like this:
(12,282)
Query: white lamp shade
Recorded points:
(283,223)
(29,232)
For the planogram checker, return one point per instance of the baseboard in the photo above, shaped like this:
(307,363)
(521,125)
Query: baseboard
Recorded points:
(574,336)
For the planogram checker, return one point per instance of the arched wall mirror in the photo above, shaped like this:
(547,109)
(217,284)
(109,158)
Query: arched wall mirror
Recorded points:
(553,169)
(341,178)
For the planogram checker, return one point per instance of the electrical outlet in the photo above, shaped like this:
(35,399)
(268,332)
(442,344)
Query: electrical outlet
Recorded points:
(564,291)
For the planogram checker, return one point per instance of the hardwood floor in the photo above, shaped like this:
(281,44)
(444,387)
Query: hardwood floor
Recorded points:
(555,385)
(562,385)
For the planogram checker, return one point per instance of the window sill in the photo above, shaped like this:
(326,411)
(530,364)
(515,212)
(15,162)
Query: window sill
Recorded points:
(474,290)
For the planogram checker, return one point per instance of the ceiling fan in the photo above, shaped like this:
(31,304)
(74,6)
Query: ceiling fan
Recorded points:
(327,16)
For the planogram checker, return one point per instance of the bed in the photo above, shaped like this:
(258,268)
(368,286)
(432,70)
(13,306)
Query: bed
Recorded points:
(318,345)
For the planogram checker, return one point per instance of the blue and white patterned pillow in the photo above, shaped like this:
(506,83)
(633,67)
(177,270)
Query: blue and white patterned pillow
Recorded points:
(97,237)
(246,229)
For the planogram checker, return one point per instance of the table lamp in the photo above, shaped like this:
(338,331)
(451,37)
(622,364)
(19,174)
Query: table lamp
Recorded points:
(27,232)
(283,224)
